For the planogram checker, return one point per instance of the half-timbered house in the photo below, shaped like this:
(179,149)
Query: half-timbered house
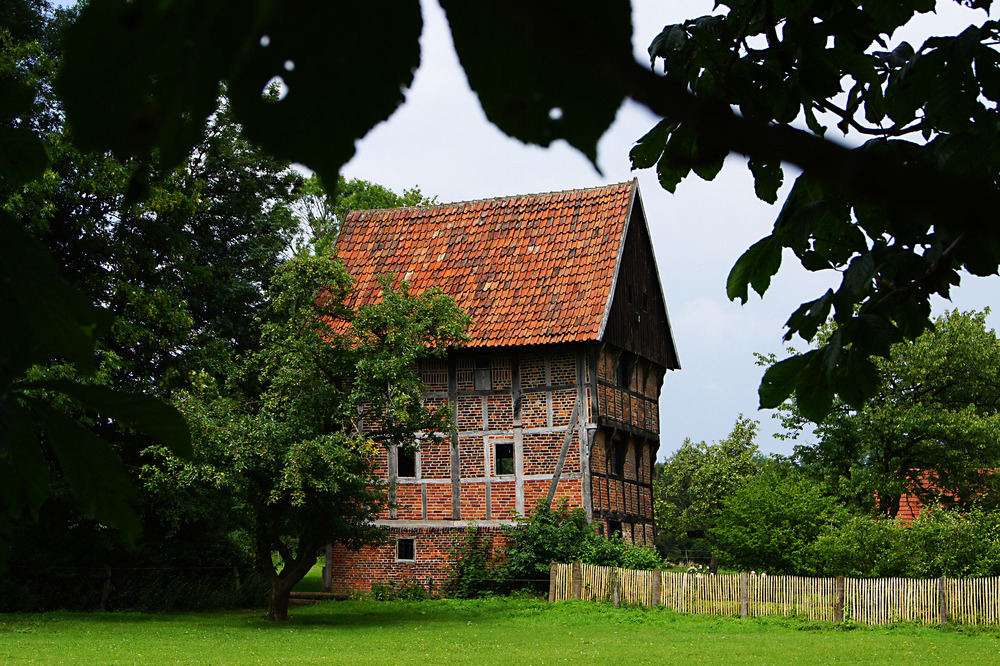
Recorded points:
(556,395)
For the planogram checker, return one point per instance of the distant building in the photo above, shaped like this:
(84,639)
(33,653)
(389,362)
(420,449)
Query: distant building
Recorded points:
(556,395)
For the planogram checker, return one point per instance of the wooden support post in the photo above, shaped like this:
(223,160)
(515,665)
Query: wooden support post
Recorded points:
(577,580)
(942,601)
(570,428)
(657,587)
(744,594)
(455,461)
(838,606)
(553,579)
(328,569)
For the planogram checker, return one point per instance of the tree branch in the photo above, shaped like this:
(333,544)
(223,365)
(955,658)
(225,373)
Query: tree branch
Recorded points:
(920,190)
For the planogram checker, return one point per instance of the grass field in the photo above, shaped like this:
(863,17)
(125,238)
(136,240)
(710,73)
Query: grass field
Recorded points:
(313,581)
(497,631)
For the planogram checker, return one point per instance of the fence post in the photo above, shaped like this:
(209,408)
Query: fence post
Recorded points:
(577,580)
(942,601)
(838,606)
(657,586)
(615,592)
(744,594)
(553,576)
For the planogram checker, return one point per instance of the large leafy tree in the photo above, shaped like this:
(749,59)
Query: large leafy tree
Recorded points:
(52,321)
(183,273)
(769,523)
(932,428)
(321,213)
(299,463)
(690,485)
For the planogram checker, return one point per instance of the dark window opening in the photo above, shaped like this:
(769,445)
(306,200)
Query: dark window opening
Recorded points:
(406,462)
(505,458)
(482,376)
(614,528)
(626,364)
(406,550)
(618,450)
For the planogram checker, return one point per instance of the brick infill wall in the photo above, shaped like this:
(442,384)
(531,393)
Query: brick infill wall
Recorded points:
(433,546)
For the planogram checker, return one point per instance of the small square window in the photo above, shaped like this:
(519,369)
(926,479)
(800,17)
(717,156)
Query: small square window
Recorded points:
(406,550)
(614,527)
(406,462)
(504,458)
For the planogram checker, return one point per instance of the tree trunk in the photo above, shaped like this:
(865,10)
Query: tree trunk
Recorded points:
(277,602)
(282,585)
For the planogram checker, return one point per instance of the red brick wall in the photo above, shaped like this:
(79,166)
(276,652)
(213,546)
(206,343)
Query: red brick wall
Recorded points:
(485,418)
(502,500)
(473,498)
(356,571)
(438,501)
(533,411)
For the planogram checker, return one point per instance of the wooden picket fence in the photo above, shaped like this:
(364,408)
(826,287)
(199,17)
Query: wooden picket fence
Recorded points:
(863,600)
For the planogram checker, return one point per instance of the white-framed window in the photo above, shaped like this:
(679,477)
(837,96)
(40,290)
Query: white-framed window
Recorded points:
(406,462)
(406,549)
(503,458)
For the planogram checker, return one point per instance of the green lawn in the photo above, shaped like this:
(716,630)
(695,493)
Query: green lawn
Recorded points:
(313,581)
(478,632)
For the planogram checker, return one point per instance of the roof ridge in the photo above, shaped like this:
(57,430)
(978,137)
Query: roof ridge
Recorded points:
(470,202)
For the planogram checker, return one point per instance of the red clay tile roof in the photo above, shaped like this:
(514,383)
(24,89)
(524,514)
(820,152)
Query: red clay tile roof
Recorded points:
(530,269)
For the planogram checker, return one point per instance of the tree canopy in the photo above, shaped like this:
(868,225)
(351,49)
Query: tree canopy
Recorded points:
(691,484)
(932,429)
(898,216)
(179,278)
(298,463)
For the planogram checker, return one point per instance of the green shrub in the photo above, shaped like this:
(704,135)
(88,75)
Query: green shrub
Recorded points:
(395,590)
(951,543)
(861,547)
(637,557)
(938,543)
(770,523)
(562,535)
(473,567)
(549,534)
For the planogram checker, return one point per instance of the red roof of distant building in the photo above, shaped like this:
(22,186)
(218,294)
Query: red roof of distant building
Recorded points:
(529,269)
